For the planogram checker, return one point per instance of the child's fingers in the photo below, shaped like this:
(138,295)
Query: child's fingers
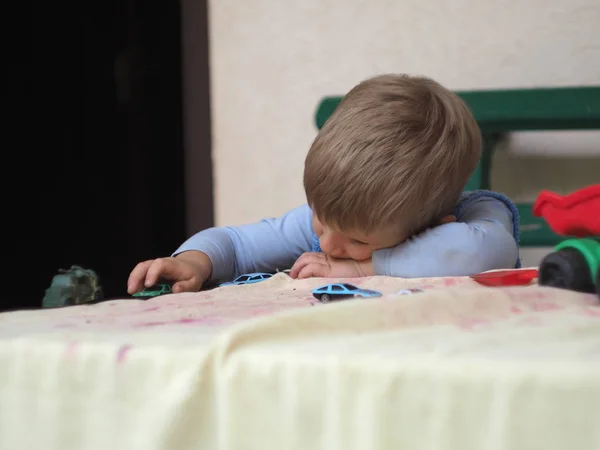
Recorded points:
(137,277)
(296,268)
(167,268)
(311,270)
(191,285)
(305,259)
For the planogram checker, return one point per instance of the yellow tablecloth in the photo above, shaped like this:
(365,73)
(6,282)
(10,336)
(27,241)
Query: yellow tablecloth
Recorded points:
(266,366)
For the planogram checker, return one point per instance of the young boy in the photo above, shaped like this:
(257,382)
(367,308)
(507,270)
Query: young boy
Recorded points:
(384,181)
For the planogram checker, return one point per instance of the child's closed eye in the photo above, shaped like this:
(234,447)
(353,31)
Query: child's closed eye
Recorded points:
(354,241)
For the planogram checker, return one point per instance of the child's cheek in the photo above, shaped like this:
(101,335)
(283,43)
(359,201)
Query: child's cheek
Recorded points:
(360,254)
(317,227)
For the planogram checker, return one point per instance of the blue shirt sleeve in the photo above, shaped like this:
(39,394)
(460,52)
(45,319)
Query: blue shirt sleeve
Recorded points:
(481,239)
(264,246)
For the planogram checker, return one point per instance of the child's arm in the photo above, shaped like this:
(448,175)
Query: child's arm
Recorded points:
(273,243)
(482,240)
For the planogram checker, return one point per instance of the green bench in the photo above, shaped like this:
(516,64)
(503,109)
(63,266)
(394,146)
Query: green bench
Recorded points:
(504,111)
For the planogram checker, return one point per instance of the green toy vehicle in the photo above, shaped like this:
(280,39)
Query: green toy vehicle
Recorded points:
(155,291)
(575,263)
(74,286)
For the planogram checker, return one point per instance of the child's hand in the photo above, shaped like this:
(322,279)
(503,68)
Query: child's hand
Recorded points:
(323,266)
(188,271)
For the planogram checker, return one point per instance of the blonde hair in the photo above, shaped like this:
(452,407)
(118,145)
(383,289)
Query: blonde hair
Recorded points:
(397,152)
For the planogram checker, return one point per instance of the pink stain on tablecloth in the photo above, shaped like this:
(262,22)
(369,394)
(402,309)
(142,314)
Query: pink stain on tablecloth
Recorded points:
(149,324)
(71,349)
(592,312)
(450,282)
(122,353)
(515,309)
(199,320)
(545,306)
(183,321)
(471,323)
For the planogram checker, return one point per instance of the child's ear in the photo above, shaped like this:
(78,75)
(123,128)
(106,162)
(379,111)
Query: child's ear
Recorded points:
(447,219)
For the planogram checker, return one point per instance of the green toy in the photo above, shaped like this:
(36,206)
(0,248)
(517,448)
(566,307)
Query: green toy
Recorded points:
(73,287)
(155,291)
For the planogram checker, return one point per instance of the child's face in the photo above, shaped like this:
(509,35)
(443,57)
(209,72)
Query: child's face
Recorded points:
(354,245)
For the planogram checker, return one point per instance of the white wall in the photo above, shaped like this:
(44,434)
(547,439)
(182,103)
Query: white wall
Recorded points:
(273,60)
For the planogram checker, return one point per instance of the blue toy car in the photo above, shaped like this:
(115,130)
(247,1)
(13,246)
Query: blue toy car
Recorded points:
(249,278)
(339,291)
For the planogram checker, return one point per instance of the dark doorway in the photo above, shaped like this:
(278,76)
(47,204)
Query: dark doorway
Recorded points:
(108,99)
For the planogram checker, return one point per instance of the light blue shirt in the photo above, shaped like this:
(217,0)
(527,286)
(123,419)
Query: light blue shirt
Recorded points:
(485,237)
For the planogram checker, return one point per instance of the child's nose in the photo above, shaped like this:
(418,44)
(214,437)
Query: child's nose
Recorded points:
(332,246)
